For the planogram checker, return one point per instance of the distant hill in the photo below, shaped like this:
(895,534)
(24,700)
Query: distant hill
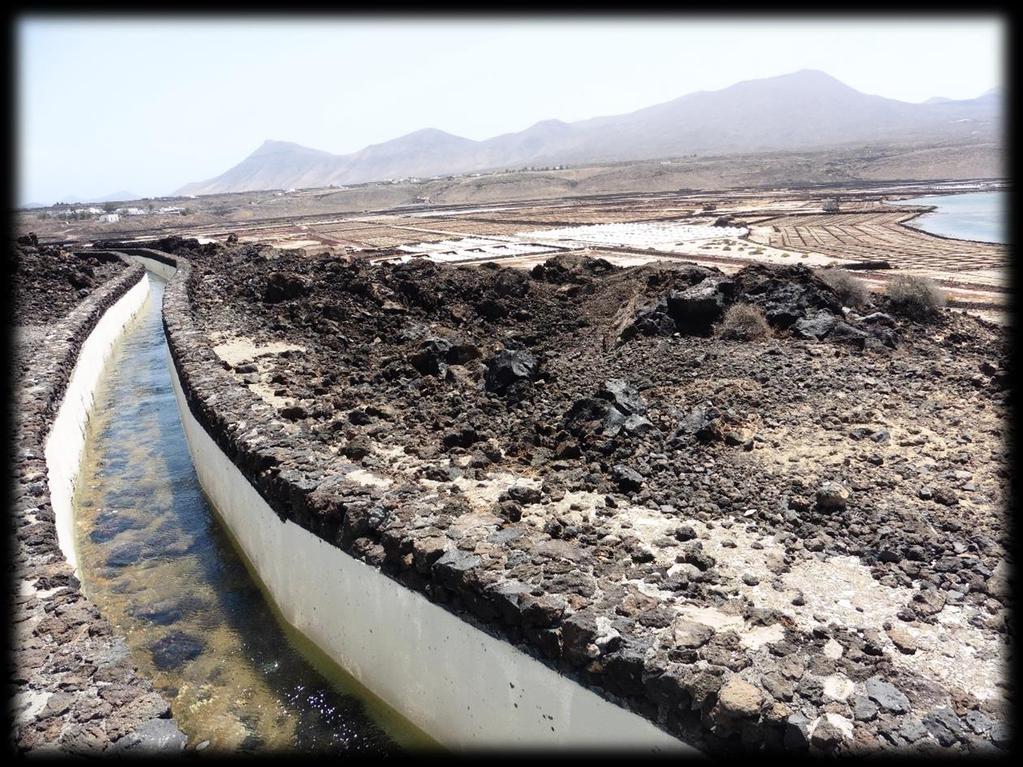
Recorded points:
(801,111)
(112,197)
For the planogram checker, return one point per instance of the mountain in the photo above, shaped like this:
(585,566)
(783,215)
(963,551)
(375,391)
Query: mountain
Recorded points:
(808,109)
(121,196)
(275,165)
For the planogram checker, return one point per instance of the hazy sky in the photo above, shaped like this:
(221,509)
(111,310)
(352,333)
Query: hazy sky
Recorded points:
(148,105)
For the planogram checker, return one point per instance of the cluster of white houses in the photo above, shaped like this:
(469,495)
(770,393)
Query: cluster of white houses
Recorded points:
(109,216)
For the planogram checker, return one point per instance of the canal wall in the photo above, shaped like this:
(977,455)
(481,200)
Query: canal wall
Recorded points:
(454,675)
(65,443)
(74,688)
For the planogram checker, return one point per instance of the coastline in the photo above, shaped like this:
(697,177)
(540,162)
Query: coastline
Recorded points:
(920,221)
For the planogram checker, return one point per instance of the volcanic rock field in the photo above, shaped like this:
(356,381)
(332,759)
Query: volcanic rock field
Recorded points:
(796,542)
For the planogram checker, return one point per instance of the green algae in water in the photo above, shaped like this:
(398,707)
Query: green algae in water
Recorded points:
(158,565)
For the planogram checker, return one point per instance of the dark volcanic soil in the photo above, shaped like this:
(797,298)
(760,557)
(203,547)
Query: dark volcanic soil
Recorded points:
(49,282)
(814,515)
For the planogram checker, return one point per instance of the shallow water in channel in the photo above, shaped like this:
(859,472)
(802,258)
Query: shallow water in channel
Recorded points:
(156,562)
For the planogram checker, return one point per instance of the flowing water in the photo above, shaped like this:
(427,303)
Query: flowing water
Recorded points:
(156,562)
(977,216)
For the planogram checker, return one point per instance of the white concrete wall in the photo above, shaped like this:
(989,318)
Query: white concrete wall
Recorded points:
(456,683)
(158,268)
(66,440)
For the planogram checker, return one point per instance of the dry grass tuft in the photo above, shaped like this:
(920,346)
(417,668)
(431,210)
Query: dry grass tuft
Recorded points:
(915,298)
(743,322)
(851,291)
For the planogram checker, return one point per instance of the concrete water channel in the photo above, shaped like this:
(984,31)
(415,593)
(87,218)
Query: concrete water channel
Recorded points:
(155,560)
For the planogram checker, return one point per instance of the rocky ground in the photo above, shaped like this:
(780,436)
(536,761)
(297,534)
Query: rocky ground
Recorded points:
(49,282)
(808,531)
(73,688)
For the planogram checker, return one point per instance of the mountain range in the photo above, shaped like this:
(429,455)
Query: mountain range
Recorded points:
(72,199)
(804,110)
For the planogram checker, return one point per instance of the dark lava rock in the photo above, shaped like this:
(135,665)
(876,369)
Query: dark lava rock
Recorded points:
(358,448)
(832,496)
(634,425)
(49,282)
(978,721)
(359,417)
(510,510)
(492,310)
(912,730)
(685,533)
(543,611)
(944,725)
(696,309)
(176,649)
(887,695)
(460,353)
(1001,734)
(884,334)
(864,709)
(797,733)
(845,333)
(927,602)
(511,283)
(703,422)
(786,294)
(294,412)
(617,408)
(571,268)
(450,569)
(509,367)
(587,416)
(431,357)
(652,321)
(692,553)
(816,326)
(460,438)
(624,668)
(826,736)
(524,494)
(626,478)
(283,286)
(494,564)
(623,396)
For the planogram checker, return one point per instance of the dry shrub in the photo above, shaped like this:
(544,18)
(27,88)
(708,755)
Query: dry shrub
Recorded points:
(915,298)
(851,291)
(743,322)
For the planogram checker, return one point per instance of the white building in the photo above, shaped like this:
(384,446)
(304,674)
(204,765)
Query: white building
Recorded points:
(110,218)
